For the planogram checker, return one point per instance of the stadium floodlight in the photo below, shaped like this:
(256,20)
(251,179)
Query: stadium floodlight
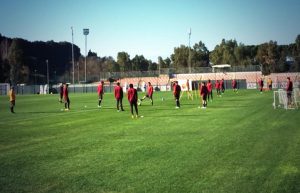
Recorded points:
(34,80)
(73,55)
(47,76)
(85,32)
(189,59)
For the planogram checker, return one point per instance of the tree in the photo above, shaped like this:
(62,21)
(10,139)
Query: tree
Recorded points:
(297,42)
(224,53)
(296,54)
(5,70)
(161,62)
(123,59)
(112,65)
(268,56)
(15,58)
(180,57)
(90,54)
(167,62)
(152,66)
(200,55)
(139,63)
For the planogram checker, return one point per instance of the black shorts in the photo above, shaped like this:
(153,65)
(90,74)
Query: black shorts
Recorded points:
(12,103)
(204,97)
(149,96)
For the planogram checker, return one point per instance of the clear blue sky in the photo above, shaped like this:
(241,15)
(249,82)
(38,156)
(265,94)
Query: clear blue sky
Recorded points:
(150,27)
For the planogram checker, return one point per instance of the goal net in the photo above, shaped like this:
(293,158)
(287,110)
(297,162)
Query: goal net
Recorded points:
(282,99)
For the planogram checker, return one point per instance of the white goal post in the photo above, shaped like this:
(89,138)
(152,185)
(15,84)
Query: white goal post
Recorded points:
(281,99)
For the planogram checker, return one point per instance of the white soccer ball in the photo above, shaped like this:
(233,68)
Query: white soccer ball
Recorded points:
(85,106)
(139,104)
(162,99)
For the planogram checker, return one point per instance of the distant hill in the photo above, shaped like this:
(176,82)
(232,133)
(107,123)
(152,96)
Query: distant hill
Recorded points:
(22,61)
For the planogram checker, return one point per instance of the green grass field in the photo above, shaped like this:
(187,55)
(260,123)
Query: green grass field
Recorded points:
(238,144)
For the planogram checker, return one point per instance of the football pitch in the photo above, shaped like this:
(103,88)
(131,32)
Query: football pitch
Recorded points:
(238,144)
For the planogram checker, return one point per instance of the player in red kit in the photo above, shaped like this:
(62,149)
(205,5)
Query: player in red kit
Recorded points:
(132,98)
(119,96)
(261,85)
(289,91)
(66,97)
(176,92)
(234,85)
(222,85)
(61,90)
(203,93)
(149,94)
(100,90)
(209,88)
(218,86)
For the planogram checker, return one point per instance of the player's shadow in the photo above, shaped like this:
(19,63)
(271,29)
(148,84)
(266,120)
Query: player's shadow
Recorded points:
(40,112)
(174,115)
(234,100)
(228,107)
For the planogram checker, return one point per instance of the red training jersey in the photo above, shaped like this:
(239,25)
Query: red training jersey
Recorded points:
(261,83)
(289,87)
(132,95)
(233,83)
(65,93)
(176,89)
(100,89)
(217,85)
(118,92)
(150,90)
(209,86)
(203,90)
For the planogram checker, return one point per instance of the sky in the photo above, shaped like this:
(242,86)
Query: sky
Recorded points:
(150,27)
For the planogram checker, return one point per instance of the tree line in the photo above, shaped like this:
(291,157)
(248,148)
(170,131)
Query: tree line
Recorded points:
(22,61)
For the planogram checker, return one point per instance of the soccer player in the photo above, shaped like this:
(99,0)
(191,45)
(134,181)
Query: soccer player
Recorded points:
(234,85)
(149,94)
(66,97)
(132,98)
(261,85)
(203,93)
(218,86)
(176,92)
(270,83)
(100,90)
(119,96)
(209,88)
(12,99)
(222,85)
(289,91)
(61,88)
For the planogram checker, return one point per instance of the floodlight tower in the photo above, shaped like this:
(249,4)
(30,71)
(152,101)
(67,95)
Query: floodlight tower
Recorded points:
(73,55)
(85,32)
(189,59)
(47,76)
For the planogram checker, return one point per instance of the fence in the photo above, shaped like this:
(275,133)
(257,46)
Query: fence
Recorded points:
(163,82)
